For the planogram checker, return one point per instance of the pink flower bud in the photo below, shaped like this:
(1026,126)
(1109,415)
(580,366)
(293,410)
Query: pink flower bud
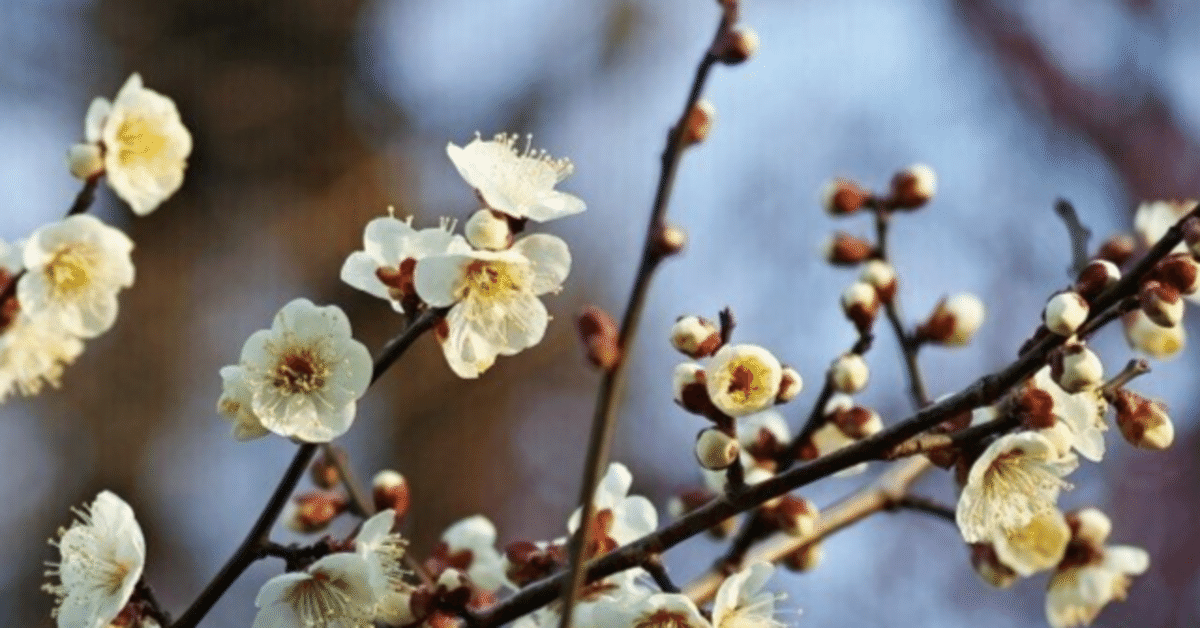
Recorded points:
(913,187)
(842,196)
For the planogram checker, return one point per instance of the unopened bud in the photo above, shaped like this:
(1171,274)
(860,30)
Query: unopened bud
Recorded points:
(669,239)
(1144,423)
(716,450)
(313,512)
(324,470)
(1117,249)
(1180,271)
(1191,235)
(736,45)
(860,303)
(695,336)
(1090,526)
(85,161)
(1095,278)
(699,122)
(790,385)
(989,568)
(843,249)
(1161,303)
(1065,312)
(796,515)
(600,337)
(954,321)
(1152,339)
(858,422)
(488,230)
(1076,368)
(806,558)
(451,581)
(882,276)
(688,385)
(849,373)
(1033,406)
(389,489)
(842,196)
(913,187)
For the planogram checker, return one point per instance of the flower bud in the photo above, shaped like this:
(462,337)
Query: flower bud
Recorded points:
(849,373)
(737,45)
(743,379)
(989,568)
(716,450)
(389,489)
(324,470)
(1076,368)
(313,511)
(690,391)
(453,582)
(882,276)
(695,336)
(796,516)
(860,303)
(790,385)
(1090,526)
(1180,271)
(1152,339)
(85,161)
(669,239)
(488,230)
(1191,235)
(954,321)
(842,196)
(1144,423)
(1117,249)
(1065,312)
(1033,406)
(600,337)
(858,422)
(1095,278)
(1161,303)
(806,558)
(913,187)
(843,249)
(699,122)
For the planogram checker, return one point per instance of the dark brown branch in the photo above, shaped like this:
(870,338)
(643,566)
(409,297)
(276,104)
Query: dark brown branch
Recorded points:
(925,505)
(909,346)
(613,382)
(1078,233)
(654,566)
(929,442)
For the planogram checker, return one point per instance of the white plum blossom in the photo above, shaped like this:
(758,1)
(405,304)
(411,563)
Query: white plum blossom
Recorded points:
(1078,593)
(334,592)
(101,559)
(477,535)
(383,552)
(1035,546)
(143,142)
(628,517)
(493,299)
(658,610)
(1016,478)
(743,379)
(1083,413)
(34,350)
(304,375)
(516,182)
(74,269)
(741,602)
(237,404)
(391,250)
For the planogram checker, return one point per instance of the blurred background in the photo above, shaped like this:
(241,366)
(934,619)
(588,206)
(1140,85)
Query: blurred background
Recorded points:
(310,117)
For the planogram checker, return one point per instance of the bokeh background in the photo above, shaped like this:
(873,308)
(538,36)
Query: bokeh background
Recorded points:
(312,116)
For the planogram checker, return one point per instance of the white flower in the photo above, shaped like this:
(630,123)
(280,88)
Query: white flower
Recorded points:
(621,517)
(144,142)
(741,603)
(514,182)
(34,351)
(391,250)
(1035,546)
(1078,593)
(102,555)
(1153,340)
(237,405)
(1083,413)
(306,373)
(494,294)
(1154,218)
(333,592)
(743,379)
(657,610)
(74,269)
(477,535)
(383,552)
(1018,477)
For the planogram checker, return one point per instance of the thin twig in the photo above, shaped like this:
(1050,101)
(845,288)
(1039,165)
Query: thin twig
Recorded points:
(926,505)
(908,343)
(657,570)
(1078,233)
(613,382)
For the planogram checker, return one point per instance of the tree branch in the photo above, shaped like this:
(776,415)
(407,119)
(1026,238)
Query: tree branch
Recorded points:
(1078,233)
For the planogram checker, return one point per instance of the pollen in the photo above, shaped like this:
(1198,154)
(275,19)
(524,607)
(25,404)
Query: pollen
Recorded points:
(300,371)
(68,270)
(490,280)
(137,141)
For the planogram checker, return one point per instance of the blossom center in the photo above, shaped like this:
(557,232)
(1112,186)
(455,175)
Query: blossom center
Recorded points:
(490,280)
(663,618)
(745,380)
(138,142)
(300,371)
(68,270)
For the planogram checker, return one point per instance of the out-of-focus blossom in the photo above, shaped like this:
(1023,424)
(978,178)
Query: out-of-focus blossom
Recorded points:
(513,181)
(334,592)
(741,602)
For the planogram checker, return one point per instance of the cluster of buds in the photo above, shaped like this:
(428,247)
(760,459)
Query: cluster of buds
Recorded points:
(844,422)
(910,189)
(953,322)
